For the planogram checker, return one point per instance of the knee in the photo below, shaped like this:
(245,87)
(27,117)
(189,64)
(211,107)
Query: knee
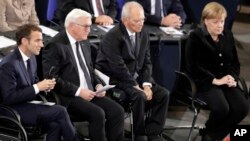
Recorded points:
(60,110)
(222,110)
(98,115)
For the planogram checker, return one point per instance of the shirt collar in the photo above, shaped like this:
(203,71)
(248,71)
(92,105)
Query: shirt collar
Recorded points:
(24,57)
(71,39)
(130,33)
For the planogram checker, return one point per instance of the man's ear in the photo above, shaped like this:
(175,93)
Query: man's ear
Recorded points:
(24,41)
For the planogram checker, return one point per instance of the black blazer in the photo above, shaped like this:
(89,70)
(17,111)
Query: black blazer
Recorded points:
(65,6)
(59,53)
(207,60)
(116,59)
(16,86)
(169,6)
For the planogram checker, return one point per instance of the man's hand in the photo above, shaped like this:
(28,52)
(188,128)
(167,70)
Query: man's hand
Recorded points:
(102,94)
(104,20)
(147,90)
(46,84)
(87,94)
(171,20)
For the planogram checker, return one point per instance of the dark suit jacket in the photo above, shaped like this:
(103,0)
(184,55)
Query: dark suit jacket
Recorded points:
(58,53)
(65,6)
(169,6)
(207,60)
(16,86)
(116,59)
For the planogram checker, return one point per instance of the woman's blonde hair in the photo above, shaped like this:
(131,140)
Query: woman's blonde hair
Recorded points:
(213,10)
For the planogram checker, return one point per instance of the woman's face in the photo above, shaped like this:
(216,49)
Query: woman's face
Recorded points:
(215,26)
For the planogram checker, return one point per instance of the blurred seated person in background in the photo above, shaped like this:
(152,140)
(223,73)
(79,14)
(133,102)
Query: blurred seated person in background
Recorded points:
(164,12)
(19,85)
(70,53)
(124,55)
(15,13)
(103,12)
(212,62)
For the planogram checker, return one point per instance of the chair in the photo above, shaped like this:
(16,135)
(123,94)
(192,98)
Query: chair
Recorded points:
(11,128)
(185,93)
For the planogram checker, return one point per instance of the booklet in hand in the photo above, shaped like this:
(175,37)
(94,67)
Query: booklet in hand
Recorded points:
(105,88)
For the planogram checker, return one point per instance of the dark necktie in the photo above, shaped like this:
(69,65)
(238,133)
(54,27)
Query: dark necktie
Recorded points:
(132,39)
(84,68)
(29,71)
(158,8)
(99,7)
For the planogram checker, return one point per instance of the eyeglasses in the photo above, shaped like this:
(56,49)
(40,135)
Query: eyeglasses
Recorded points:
(84,26)
(139,20)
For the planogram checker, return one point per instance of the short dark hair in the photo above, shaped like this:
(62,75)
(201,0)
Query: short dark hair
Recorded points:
(25,31)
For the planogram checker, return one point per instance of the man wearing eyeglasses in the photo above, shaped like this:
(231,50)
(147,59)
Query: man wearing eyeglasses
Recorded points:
(124,55)
(70,54)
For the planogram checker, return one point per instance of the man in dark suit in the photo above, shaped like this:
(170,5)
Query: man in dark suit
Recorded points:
(19,85)
(103,12)
(124,55)
(69,52)
(164,12)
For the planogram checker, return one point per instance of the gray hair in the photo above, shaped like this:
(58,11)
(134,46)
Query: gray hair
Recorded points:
(74,15)
(126,9)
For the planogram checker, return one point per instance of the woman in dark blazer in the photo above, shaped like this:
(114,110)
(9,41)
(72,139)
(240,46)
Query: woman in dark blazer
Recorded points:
(213,63)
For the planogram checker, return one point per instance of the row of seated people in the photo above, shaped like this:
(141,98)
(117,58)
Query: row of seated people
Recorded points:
(15,13)
(126,60)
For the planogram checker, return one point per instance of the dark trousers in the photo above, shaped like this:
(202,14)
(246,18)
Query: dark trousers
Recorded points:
(157,108)
(228,107)
(101,113)
(54,120)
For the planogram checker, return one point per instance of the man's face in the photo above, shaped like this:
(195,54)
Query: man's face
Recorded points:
(135,21)
(81,28)
(34,43)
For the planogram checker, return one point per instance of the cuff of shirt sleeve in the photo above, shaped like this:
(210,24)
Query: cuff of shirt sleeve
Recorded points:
(147,84)
(36,89)
(78,92)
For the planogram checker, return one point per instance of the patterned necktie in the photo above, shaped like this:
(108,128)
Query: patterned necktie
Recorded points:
(84,67)
(99,7)
(132,39)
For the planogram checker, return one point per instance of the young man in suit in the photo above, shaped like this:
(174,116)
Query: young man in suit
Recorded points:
(164,12)
(69,52)
(19,85)
(124,55)
(103,12)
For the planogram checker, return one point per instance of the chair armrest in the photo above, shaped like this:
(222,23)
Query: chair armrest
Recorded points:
(190,81)
(13,113)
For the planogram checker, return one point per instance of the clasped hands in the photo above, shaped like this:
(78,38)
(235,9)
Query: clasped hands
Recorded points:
(171,20)
(226,80)
(104,20)
(46,85)
(147,91)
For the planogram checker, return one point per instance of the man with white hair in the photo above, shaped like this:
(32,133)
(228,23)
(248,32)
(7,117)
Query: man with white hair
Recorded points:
(70,54)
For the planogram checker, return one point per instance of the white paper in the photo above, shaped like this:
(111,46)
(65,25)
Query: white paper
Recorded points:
(104,77)
(106,28)
(42,103)
(48,31)
(171,31)
(105,88)
(6,42)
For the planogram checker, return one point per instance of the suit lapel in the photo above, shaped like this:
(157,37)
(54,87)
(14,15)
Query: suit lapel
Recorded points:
(91,6)
(22,66)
